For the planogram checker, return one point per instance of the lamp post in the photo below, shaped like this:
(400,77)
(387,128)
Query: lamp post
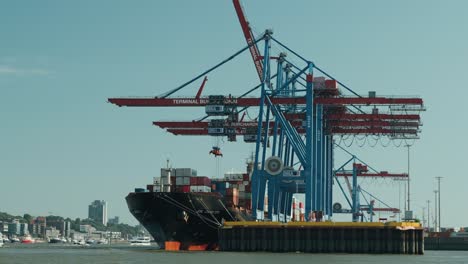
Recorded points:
(438,190)
(408,207)
(428,217)
(435,212)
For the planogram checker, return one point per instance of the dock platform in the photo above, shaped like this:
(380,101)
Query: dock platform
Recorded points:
(323,237)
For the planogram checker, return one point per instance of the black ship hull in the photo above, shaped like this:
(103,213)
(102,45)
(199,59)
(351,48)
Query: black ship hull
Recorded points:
(189,218)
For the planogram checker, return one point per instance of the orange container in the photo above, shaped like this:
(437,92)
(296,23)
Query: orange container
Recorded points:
(201,247)
(172,245)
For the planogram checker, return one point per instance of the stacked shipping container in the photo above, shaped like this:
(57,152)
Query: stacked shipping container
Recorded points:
(180,180)
(235,187)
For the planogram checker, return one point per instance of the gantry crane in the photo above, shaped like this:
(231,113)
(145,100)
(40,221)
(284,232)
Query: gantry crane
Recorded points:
(301,122)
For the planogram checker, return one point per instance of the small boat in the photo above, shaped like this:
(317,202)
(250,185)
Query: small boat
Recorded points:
(90,241)
(80,242)
(141,241)
(103,241)
(55,240)
(27,240)
(14,240)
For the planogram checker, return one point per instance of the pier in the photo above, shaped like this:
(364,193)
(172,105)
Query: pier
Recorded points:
(323,237)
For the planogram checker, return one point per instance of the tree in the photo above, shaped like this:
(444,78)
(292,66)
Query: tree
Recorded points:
(28,218)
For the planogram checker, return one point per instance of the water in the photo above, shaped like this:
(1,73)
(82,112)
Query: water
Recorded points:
(46,253)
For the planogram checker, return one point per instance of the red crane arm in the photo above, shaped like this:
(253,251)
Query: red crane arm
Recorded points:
(349,116)
(295,123)
(250,38)
(371,117)
(200,90)
(177,124)
(371,123)
(371,131)
(195,124)
(164,102)
(203,101)
(368,101)
(382,174)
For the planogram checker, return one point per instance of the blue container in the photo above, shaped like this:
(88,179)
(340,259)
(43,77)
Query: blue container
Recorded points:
(220,186)
(139,190)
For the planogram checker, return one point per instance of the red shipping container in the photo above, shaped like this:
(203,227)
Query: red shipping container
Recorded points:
(207,181)
(203,181)
(331,84)
(173,180)
(245,177)
(183,188)
(200,180)
(193,181)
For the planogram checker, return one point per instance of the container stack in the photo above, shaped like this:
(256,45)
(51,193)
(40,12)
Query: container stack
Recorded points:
(241,181)
(200,184)
(182,179)
(234,186)
(232,197)
(156,186)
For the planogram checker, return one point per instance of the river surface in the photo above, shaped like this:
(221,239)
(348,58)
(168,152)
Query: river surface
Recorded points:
(47,253)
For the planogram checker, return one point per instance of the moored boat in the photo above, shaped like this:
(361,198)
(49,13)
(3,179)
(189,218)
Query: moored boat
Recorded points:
(141,241)
(27,240)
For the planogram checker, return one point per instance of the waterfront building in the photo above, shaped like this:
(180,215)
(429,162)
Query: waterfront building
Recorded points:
(24,229)
(87,229)
(114,221)
(97,211)
(4,227)
(14,228)
(52,232)
(66,231)
(37,226)
(61,225)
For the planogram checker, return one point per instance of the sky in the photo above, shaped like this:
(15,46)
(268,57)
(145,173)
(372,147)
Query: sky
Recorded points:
(62,145)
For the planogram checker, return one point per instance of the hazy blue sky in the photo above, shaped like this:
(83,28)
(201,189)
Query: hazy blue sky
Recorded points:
(62,145)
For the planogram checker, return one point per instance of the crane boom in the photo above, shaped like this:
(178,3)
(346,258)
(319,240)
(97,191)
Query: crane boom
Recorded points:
(249,37)
(203,101)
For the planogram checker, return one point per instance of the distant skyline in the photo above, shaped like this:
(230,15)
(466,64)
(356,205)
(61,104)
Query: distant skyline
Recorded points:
(62,145)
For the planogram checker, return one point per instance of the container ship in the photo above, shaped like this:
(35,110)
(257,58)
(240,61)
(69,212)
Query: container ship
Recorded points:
(185,208)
